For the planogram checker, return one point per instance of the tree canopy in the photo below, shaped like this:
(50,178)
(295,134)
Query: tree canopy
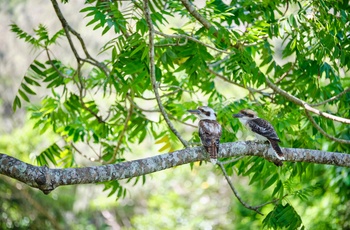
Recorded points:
(287,60)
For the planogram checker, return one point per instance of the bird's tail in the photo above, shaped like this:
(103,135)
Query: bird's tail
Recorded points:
(213,153)
(275,146)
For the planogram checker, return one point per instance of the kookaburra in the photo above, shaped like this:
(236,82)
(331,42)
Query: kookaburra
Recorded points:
(262,129)
(209,131)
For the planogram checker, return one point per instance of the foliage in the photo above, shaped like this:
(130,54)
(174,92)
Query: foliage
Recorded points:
(108,106)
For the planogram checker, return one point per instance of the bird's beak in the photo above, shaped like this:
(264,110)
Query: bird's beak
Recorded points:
(194,111)
(237,115)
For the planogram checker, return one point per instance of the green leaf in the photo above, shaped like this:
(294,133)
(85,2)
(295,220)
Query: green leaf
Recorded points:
(272,180)
(23,95)
(37,70)
(16,104)
(283,216)
(27,89)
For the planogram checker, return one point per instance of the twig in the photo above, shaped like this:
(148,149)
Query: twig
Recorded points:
(332,98)
(319,128)
(82,154)
(67,29)
(198,16)
(285,74)
(256,209)
(172,44)
(272,201)
(146,110)
(97,154)
(152,73)
(251,90)
(164,95)
(304,104)
(182,122)
(219,62)
(179,36)
(122,134)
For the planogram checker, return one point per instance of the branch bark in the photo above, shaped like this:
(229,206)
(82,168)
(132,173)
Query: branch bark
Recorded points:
(47,179)
(305,105)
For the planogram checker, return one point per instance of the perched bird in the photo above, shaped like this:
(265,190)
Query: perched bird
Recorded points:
(262,129)
(209,131)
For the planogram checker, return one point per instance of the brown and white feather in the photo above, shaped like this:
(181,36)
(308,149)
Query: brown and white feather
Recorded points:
(210,133)
(261,128)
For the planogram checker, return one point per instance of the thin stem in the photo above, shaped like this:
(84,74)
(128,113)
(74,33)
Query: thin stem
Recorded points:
(82,154)
(235,191)
(313,122)
(251,90)
(285,74)
(122,134)
(66,28)
(152,72)
(182,36)
(303,104)
(254,208)
(332,98)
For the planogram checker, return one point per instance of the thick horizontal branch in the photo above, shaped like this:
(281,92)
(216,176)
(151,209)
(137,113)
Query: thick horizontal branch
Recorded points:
(47,179)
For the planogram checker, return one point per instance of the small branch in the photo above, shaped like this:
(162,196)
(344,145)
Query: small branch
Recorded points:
(251,90)
(256,209)
(197,15)
(152,73)
(146,110)
(122,134)
(65,27)
(304,104)
(83,155)
(332,98)
(313,122)
(164,95)
(285,74)
(272,201)
(182,36)
(182,122)
(172,44)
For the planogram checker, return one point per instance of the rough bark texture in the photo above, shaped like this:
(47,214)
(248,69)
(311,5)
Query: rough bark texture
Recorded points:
(47,179)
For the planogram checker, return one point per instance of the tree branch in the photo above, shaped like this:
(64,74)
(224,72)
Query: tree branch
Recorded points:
(47,179)
(235,191)
(304,104)
(179,36)
(122,134)
(68,29)
(197,15)
(152,73)
(332,98)
(313,122)
(251,90)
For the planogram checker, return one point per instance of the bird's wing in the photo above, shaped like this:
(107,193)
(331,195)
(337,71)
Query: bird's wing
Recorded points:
(263,128)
